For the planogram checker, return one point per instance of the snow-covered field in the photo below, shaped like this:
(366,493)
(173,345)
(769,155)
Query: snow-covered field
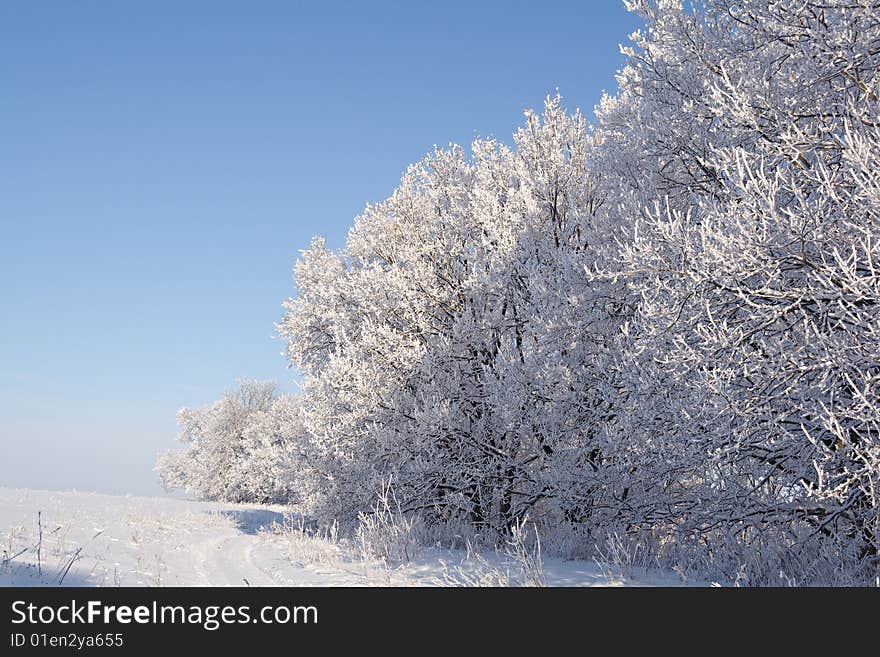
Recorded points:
(89,539)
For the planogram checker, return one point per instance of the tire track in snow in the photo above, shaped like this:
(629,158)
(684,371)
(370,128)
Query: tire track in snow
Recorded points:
(229,561)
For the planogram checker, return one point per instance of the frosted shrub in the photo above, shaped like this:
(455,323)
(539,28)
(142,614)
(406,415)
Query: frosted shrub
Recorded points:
(307,544)
(524,549)
(386,533)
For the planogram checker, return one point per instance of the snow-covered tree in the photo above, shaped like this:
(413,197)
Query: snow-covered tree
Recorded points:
(246,447)
(456,343)
(746,145)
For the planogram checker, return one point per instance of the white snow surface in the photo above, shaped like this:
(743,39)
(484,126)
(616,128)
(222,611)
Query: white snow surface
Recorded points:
(91,539)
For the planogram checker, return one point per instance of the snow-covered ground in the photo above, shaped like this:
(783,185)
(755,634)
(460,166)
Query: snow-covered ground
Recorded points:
(89,539)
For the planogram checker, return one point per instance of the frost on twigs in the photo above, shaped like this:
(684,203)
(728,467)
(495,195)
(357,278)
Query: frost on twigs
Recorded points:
(386,533)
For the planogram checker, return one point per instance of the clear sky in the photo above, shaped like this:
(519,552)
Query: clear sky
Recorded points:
(162,164)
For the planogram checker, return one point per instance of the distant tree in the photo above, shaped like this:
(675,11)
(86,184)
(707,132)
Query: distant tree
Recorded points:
(242,448)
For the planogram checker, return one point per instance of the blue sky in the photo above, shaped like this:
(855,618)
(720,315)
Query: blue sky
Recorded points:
(164,162)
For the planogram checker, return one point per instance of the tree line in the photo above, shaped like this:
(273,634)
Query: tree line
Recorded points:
(663,323)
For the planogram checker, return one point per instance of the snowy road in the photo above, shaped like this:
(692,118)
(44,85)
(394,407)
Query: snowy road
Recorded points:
(230,562)
(89,539)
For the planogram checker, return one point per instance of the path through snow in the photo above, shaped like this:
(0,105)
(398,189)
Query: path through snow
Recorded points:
(91,539)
